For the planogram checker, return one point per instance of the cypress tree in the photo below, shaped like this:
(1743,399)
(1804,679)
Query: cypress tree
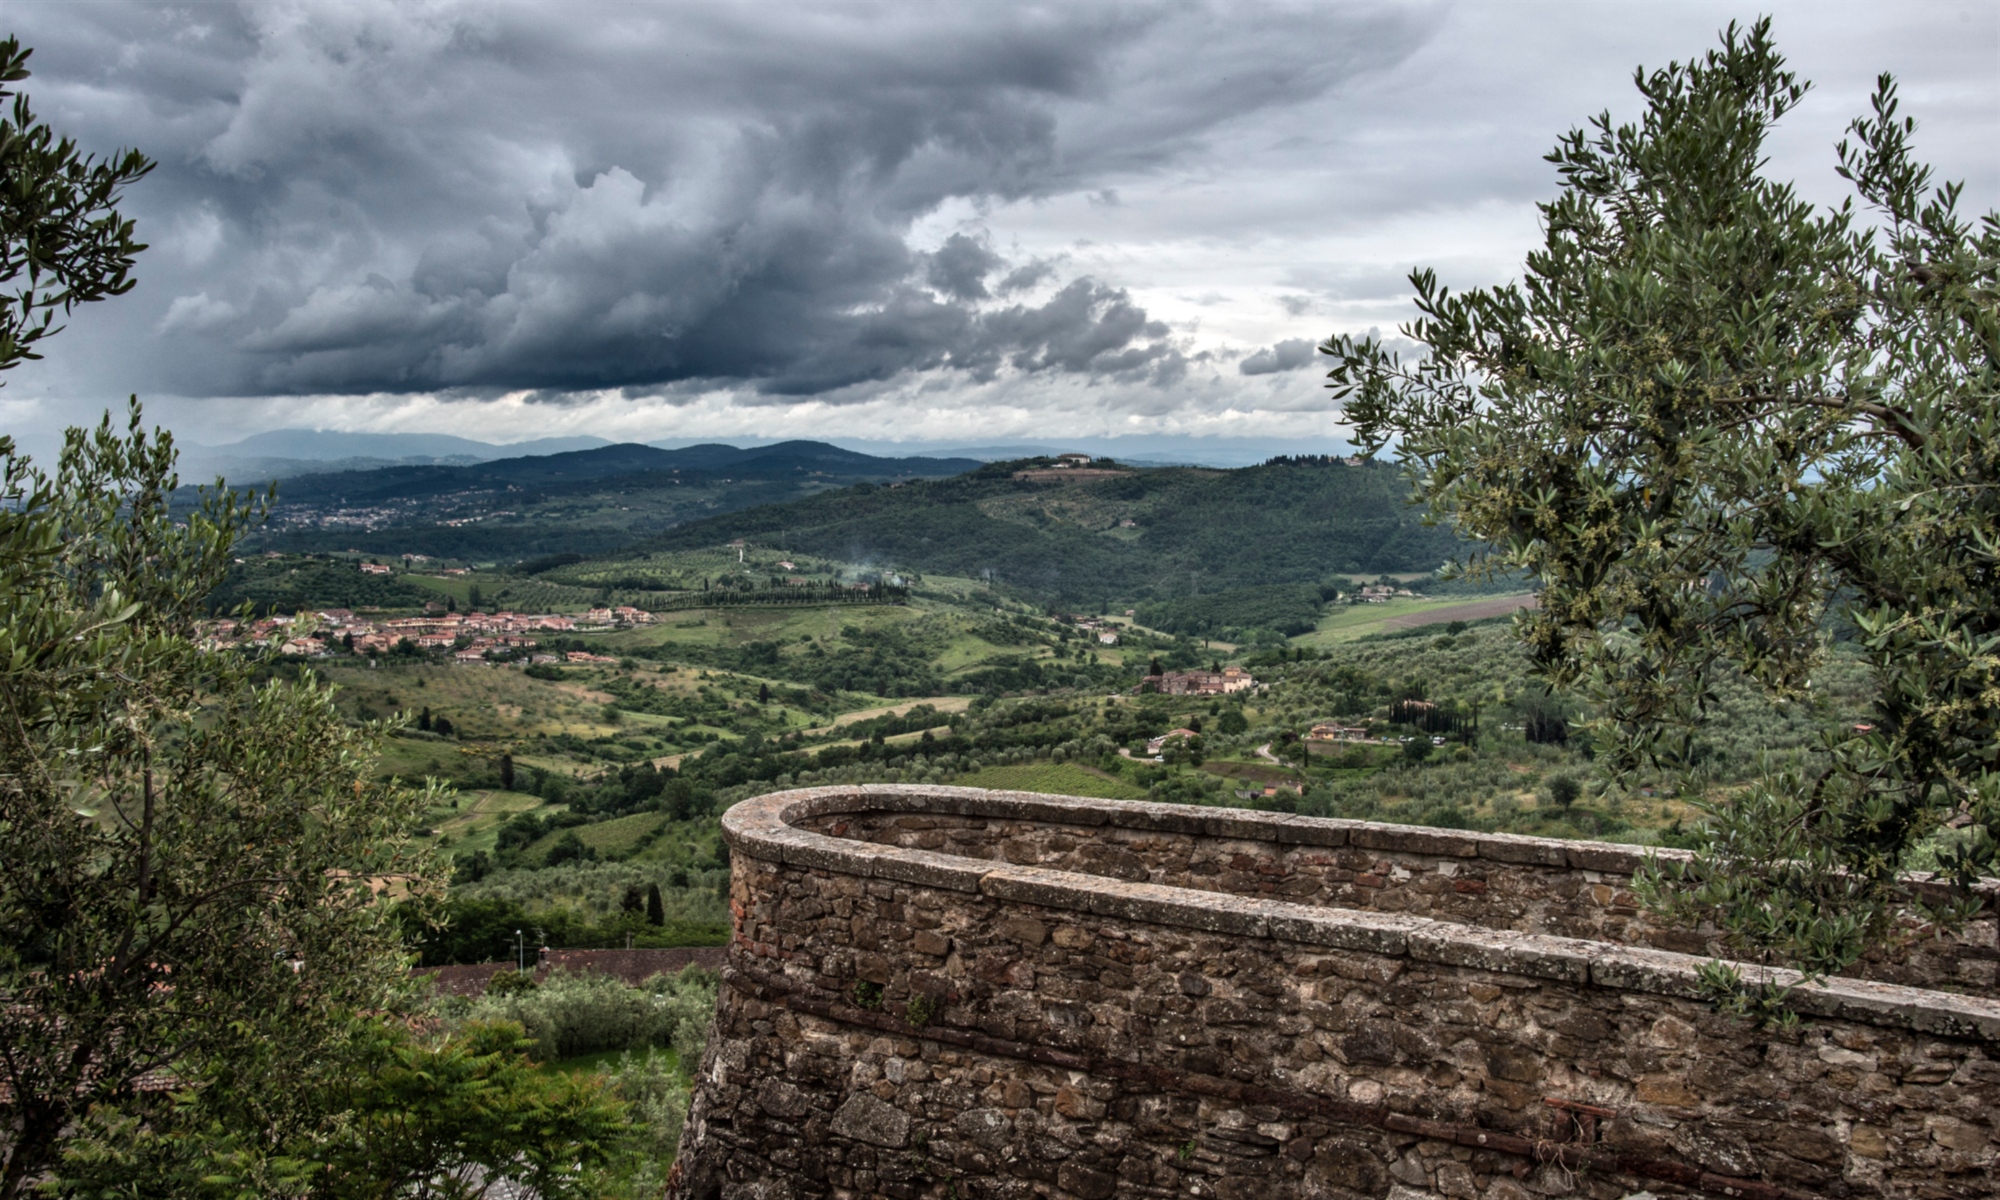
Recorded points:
(656,909)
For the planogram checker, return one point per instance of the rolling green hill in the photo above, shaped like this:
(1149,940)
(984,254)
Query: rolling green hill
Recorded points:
(1105,539)
(585,501)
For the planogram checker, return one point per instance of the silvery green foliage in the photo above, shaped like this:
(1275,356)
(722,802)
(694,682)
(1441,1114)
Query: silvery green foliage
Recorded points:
(655,1091)
(62,239)
(188,860)
(572,1014)
(1719,427)
(598,882)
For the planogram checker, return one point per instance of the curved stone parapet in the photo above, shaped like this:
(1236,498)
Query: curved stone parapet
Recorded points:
(950,992)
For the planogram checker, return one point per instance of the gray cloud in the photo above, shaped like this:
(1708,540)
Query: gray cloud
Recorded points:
(370,197)
(648,218)
(1288,355)
(1027,277)
(959,267)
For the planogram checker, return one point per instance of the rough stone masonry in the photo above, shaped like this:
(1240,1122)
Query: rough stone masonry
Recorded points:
(951,993)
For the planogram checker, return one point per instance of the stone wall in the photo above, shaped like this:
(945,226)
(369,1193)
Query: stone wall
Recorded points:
(1496,881)
(909,1011)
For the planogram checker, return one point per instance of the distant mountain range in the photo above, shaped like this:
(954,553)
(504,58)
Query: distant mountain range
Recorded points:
(324,444)
(576,501)
(783,460)
(285,453)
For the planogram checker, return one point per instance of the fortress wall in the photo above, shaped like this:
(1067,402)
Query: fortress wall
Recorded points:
(910,1022)
(1495,881)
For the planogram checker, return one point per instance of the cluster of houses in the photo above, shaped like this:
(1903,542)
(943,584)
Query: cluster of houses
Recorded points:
(370,567)
(1107,633)
(1080,466)
(1382,593)
(1227,681)
(1334,731)
(473,638)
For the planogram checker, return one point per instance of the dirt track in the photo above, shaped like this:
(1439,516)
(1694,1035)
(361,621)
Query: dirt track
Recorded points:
(1472,610)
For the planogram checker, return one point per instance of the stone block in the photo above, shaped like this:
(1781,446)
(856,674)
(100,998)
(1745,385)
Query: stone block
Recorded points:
(1162,818)
(867,1118)
(988,1128)
(1072,937)
(1315,832)
(1210,912)
(1242,825)
(1344,929)
(1038,886)
(1408,839)
(1598,856)
(798,848)
(926,868)
(1086,1182)
(1640,970)
(1025,930)
(1527,954)
(1530,851)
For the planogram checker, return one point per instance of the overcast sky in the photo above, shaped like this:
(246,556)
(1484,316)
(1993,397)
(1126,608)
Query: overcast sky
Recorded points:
(927,222)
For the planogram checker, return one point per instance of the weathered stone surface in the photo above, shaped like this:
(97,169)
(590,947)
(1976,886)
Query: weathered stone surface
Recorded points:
(867,1119)
(1280,1008)
(1524,884)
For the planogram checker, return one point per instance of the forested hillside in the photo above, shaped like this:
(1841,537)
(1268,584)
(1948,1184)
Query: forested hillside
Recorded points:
(589,501)
(1162,533)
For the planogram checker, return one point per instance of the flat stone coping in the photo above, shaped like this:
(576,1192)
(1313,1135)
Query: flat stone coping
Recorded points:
(766,828)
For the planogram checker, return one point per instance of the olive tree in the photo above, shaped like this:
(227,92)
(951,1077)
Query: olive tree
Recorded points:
(1722,429)
(189,861)
(62,240)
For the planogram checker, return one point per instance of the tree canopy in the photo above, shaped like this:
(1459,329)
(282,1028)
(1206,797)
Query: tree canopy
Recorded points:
(190,859)
(62,240)
(1721,427)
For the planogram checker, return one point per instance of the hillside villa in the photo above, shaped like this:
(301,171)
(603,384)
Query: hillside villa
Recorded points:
(1227,681)
(1332,731)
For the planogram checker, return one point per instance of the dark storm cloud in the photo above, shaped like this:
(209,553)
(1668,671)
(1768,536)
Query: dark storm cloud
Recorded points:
(959,267)
(361,197)
(1288,355)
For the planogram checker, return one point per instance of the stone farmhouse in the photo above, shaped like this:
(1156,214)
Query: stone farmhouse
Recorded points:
(1333,731)
(1227,681)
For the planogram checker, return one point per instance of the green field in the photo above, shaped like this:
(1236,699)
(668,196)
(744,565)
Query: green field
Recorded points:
(617,837)
(1350,622)
(1055,779)
(480,813)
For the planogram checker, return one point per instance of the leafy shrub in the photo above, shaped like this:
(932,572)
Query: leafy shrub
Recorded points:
(656,1096)
(572,1014)
(1564,790)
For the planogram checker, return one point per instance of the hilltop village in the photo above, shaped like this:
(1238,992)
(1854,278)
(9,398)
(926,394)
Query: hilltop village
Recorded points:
(470,638)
